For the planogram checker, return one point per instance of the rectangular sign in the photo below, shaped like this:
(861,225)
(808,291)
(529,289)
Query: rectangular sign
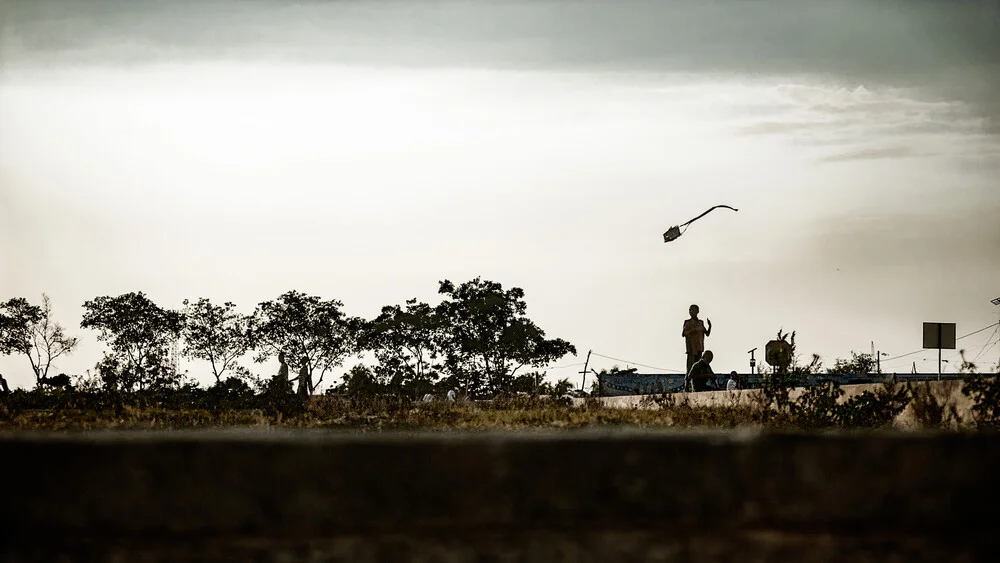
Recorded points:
(939,336)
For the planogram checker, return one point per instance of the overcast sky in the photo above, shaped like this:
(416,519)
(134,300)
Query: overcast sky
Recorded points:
(365,150)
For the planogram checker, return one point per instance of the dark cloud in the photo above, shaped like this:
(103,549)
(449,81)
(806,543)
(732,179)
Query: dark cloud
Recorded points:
(960,236)
(950,47)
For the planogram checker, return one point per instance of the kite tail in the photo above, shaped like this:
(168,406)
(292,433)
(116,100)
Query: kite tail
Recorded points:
(707,212)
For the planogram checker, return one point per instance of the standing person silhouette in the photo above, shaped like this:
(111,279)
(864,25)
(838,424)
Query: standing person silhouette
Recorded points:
(305,381)
(282,377)
(694,334)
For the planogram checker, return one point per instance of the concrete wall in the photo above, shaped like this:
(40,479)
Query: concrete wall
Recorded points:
(571,496)
(947,392)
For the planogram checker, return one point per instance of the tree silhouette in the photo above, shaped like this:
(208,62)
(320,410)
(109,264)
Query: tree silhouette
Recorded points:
(217,334)
(406,341)
(139,333)
(858,364)
(48,341)
(17,317)
(359,381)
(305,327)
(489,338)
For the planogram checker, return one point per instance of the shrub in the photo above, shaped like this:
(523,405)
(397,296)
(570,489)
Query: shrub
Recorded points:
(984,390)
(875,410)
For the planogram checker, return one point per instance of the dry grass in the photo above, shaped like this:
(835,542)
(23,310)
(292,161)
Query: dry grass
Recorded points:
(388,414)
(937,405)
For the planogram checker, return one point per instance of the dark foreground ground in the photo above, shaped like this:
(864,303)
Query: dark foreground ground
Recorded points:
(578,495)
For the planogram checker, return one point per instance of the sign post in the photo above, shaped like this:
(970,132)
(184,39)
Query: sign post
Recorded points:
(940,336)
(778,354)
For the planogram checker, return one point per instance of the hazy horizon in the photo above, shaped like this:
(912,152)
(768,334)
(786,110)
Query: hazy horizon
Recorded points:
(363,151)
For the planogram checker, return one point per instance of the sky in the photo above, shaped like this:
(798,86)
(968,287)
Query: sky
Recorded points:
(363,151)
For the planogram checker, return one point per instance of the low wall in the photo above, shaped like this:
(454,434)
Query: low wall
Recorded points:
(570,496)
(947,392)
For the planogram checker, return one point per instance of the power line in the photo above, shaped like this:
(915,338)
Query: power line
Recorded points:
(566,366)
(635,363)
(987,349)
(997,366)
(959,338)
(887,360)
(988,341)
(980,330)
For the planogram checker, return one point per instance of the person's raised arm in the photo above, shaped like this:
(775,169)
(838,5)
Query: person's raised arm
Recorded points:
(708,332)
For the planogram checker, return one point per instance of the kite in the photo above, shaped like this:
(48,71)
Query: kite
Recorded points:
(674,232)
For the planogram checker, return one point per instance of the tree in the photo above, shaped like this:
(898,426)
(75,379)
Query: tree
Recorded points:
(562,387)
(858,364)
(139,333)
(360,381)
(406,342)
(307,328)
(216,334)
(48,342)
(17,317)
(489,338)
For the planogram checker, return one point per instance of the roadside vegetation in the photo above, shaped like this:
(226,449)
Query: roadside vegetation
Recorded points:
(470,362)
(776,407)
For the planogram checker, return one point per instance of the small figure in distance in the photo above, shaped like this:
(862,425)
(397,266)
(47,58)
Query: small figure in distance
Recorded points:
(3,385)
(451,395)
(305,383)
(731,384)
(281,380)
(694,333)
(701,372)
(283,370)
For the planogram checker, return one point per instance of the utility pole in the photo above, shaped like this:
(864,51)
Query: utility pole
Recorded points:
(753,362)
(584,372)
(997,303)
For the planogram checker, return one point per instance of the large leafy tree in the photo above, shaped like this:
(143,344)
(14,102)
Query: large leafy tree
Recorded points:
(17,318)
(49,341)
(308,330)
(217,334)
(489,338)
(139,333)
(406,341)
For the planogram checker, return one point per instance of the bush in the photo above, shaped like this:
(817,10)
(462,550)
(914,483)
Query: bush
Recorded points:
(875,410)
(821,407)
(817,407)
(931,412)
(984,390)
